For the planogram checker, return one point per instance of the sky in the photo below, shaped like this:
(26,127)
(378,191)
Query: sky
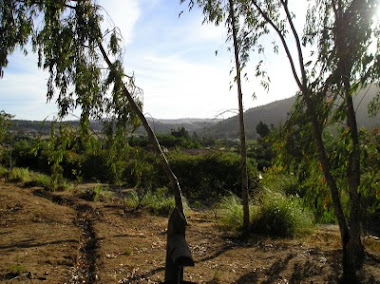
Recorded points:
(174,62)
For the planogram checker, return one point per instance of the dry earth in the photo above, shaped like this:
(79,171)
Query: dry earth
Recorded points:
(59,238)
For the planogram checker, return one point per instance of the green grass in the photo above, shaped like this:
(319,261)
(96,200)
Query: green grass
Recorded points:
(278,215)
(102,193)
(42,180)
(158,203)
(131,200)
(19,175)
(17,269)
(3,172)
(231,213)
(272,213)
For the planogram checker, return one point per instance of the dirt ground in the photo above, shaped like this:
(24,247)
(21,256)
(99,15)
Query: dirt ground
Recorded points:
(59,238)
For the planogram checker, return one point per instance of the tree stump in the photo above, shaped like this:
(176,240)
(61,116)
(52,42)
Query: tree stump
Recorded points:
(178,254)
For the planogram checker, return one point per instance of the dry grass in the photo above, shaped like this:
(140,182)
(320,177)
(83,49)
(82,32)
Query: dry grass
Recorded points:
(45,239)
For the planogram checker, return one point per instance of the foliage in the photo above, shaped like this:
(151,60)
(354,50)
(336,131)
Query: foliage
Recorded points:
(277,179)
(262,129)
(42,180)
(101,193)
(16,270)
(5,136)
(231,213)
(5,124)
(210,175)
(19,175)
(3,172)
(159,202)
(131,200)
(279,215)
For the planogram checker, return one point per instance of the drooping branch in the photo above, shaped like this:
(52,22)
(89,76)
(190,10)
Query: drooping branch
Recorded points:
(152,137)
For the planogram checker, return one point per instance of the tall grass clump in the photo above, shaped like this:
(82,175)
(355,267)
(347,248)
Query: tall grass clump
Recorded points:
(278,215)
(158,202)
(230,213)
(101,193)
(131,200)
(3,172)
(19,175)
(37,179)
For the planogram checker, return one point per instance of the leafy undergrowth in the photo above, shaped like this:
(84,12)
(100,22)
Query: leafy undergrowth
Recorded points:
(41,242)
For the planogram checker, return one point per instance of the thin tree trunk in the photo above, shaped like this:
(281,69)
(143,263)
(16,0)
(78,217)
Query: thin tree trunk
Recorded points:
(243,146)
(153,139)
(353,250)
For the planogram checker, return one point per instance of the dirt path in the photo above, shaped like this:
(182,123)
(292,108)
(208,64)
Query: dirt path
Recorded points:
(85,270)
(60,238)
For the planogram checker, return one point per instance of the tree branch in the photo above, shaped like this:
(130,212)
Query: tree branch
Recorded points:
(298,42)
(156,145)
(283,41)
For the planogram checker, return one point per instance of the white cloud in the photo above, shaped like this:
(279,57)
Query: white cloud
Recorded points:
(122,14)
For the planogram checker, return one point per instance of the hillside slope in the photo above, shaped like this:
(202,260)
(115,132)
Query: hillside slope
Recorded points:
(276,113)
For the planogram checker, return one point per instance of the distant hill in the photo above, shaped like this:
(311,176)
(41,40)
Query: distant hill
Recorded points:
(277,112)
(274,113)
(34,127)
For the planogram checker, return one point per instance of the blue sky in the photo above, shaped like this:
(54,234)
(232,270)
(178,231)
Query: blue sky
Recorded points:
(172,58)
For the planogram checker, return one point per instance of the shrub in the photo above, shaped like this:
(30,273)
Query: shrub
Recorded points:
(280,216)
(209,176)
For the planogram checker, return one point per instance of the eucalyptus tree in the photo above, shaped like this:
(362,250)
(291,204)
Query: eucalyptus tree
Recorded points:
(343,37)
(216,11)
(84,62)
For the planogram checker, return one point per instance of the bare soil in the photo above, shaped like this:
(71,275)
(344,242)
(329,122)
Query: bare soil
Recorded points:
(59,238)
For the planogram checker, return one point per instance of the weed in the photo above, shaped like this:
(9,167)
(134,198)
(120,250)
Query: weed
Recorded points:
(101,193)
(128,251)
(132,200)
(16,270)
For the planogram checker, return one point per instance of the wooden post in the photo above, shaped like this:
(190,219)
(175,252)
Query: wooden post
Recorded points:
(178,253)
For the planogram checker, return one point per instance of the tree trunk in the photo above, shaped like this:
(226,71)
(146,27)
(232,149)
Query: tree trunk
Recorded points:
(353,250)
(243,146)
(153,139)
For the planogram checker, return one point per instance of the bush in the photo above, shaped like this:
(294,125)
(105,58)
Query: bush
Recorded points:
(280,216)
(209,176)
